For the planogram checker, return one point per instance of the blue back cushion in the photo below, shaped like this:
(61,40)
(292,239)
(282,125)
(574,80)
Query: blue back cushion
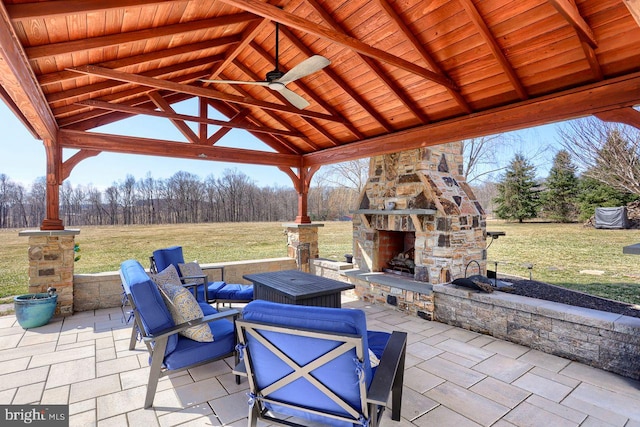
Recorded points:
(151,308)
(167,256)
(340,375)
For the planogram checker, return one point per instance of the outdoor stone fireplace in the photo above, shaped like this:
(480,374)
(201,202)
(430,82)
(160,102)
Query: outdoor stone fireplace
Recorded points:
(418,218)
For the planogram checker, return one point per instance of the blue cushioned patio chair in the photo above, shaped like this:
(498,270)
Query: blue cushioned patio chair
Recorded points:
(211,292)
(312,364)
(169,351)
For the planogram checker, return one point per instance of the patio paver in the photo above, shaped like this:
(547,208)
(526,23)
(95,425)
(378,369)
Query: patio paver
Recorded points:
(453,377)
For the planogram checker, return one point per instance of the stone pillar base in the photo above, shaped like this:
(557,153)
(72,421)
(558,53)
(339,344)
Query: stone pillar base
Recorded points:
(51,258)
(302,243)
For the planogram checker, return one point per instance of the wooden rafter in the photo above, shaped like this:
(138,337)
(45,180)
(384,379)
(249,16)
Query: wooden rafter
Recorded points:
(19,82)
(495,48)
(43,51)
(114,85)
(196,91)
(145,58)
(568,9)
(373,66)
(272,12)
(19,11)
(420,48)
(247,37)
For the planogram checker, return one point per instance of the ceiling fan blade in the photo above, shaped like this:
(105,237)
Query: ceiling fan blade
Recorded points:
(293,98)
(235,82)
(306,67)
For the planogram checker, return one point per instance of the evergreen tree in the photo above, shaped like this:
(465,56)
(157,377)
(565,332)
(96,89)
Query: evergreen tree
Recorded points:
(517,195)
(559,198)
(593,194)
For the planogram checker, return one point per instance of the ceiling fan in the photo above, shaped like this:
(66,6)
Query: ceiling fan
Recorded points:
(277,80)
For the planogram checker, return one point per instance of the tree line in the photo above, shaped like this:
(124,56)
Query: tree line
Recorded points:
(182,198)
(608,156)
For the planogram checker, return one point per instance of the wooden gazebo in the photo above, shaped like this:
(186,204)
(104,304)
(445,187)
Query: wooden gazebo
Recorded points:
(402,74)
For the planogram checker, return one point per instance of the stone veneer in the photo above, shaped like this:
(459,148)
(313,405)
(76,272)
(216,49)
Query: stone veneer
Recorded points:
(51,258)
(605,340)
(431,200)
(302,243)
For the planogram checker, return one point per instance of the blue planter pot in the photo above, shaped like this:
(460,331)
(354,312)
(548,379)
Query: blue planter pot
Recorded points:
(34,310)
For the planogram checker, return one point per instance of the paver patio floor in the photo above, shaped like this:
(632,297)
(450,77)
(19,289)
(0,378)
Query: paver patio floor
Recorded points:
(453,377)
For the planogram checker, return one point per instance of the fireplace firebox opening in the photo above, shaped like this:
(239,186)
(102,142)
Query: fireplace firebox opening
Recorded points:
(396,252)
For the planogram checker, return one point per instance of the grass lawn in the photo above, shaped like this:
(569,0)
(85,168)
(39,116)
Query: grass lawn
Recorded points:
(558,252)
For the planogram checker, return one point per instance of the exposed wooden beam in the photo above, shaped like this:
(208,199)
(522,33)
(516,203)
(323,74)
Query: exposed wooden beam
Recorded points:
(568,9)
(276,142)
(72,162)
(377,70)
(179,123)
(634,8)
(88,90)
(51,9)
(420,48)
(247,37)
(302,87)
(137,60)
(176,116)
(475,16)
(197,91)
(629,116)
(81,45)
(220,133)
(332,75)
(291,20)
(590,99)
(162,148)
(19,82)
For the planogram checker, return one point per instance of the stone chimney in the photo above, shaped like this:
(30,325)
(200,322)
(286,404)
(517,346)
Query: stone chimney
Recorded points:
(419,218)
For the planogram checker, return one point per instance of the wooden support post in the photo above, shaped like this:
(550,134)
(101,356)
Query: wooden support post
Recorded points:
(302,183)
(52,219)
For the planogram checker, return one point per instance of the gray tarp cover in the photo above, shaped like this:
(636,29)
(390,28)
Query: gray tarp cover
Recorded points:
(611,217)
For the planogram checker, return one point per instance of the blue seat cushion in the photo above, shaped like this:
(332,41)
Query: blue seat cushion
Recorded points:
(213,288)
(151,308)
(188,352)
(339,375)
(235,292)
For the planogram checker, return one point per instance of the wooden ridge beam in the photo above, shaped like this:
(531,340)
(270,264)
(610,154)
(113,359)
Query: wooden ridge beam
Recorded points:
(155,147)
(595,98)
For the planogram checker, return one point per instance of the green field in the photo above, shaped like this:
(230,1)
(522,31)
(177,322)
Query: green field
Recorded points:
(558,252)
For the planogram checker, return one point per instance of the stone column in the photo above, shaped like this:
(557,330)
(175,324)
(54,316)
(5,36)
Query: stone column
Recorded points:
(302,243)
(51,258)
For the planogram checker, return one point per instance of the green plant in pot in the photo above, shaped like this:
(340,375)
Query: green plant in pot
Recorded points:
(34,310)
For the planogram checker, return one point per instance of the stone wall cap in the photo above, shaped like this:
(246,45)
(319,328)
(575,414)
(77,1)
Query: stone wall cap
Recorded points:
(66,232)
(296,225)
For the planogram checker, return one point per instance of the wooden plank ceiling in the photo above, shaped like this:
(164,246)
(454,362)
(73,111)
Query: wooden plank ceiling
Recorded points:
(402,73)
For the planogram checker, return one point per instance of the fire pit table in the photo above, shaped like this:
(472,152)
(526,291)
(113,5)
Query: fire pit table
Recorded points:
(298,288)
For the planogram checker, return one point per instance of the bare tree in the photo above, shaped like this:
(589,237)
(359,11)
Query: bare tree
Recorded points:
(352,174)
(607,152)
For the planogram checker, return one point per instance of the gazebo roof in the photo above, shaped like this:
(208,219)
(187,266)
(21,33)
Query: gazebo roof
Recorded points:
(403,73)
